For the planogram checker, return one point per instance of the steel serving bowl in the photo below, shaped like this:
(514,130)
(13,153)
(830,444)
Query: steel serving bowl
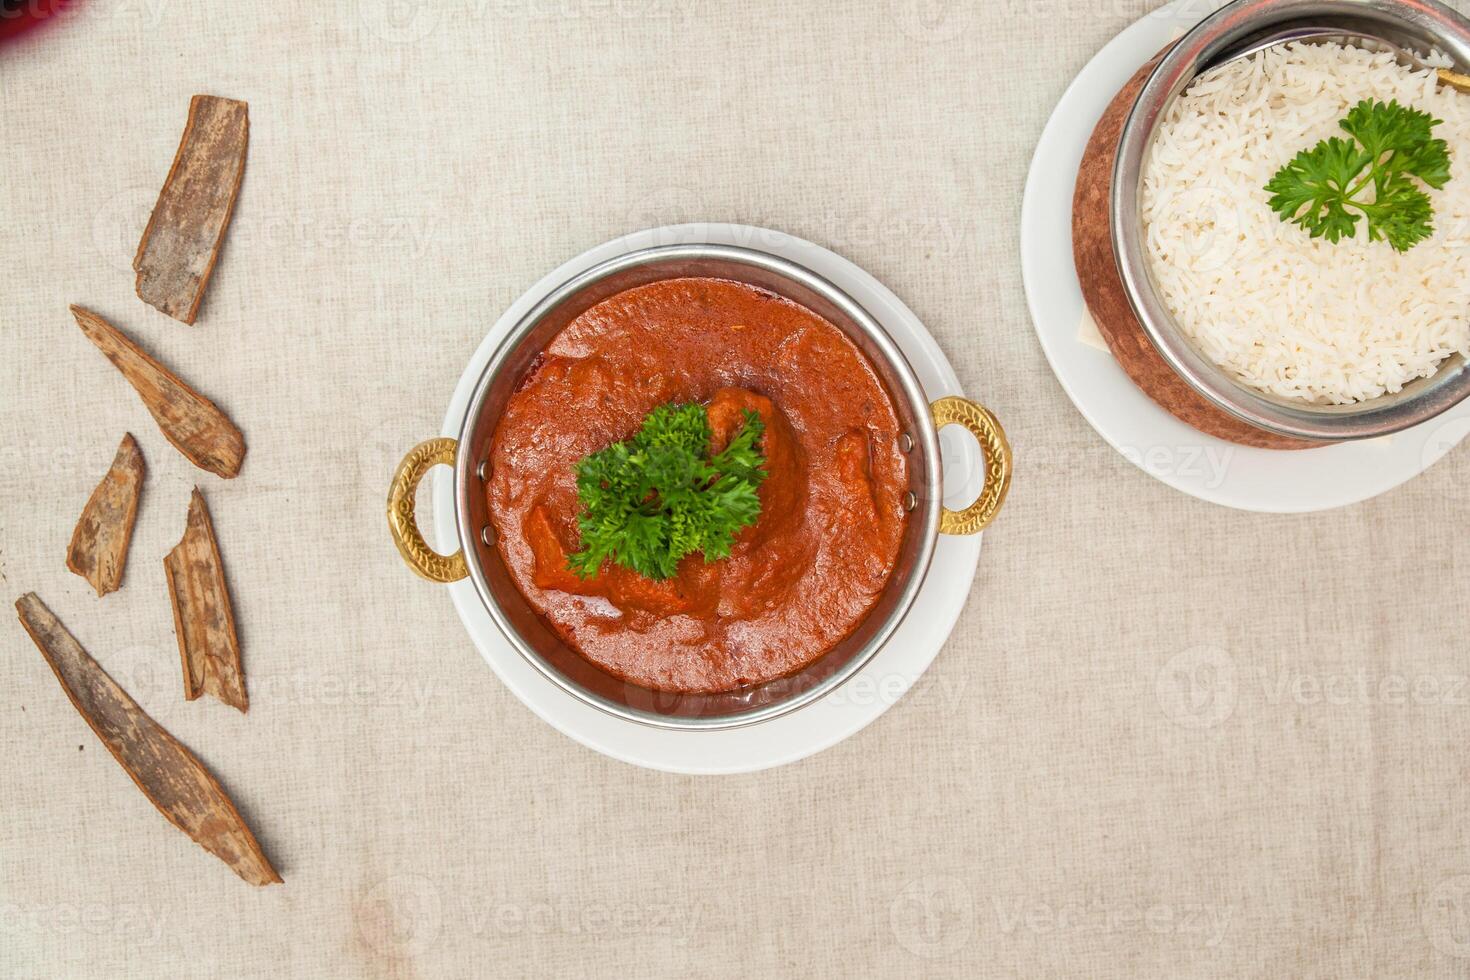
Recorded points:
(480,560)
(1414,25)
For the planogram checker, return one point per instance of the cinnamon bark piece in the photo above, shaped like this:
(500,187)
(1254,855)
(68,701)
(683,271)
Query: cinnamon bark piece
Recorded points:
(181,242)
(167,773)
(193,423)
(204,622)
(99,544)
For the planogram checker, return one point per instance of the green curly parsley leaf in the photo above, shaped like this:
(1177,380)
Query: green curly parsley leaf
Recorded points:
(659,496)
(1328,188)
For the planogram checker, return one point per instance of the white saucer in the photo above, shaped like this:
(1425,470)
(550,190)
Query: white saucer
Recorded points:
(846,710)
(1159,444)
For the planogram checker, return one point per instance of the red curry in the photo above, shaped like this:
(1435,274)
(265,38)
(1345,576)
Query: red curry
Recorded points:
(832,516)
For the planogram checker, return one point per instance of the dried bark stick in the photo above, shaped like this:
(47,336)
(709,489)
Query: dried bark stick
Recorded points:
(166,772)
(181,242)
(99,544)
(193,423)
(204,622)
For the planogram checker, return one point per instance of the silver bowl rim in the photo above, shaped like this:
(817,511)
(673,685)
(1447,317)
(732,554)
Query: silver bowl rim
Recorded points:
(926,438)
(1209,42)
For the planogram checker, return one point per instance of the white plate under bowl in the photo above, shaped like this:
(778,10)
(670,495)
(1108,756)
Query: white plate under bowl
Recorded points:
(1151,438)
(868,693)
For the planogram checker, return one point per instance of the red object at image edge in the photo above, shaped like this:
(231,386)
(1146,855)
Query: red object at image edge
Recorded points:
(19,16)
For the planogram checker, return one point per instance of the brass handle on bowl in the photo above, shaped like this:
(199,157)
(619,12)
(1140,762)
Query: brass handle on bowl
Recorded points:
(954,410)
(402,523)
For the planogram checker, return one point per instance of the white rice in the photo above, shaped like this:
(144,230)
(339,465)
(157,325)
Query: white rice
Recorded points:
(1286,314)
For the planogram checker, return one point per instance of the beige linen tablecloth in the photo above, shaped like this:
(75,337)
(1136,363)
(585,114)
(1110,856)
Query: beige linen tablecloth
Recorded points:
(1166,738)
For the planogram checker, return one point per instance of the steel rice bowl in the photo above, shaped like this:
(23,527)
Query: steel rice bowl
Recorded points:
(1415,25)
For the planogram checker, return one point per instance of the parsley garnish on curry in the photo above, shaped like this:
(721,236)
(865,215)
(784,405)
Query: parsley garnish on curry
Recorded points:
(659,496)
(699,486)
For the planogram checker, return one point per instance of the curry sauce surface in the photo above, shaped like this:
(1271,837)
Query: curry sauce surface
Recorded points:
(798,580)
